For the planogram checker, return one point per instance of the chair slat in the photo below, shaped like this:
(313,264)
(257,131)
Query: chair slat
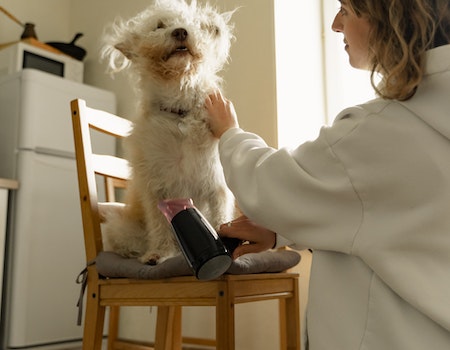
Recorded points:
(111,166)
(108,123)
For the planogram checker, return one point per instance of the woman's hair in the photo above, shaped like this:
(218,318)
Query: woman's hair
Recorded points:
(402,30)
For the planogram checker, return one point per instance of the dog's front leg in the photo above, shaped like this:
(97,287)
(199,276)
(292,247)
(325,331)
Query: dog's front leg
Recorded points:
(161,241)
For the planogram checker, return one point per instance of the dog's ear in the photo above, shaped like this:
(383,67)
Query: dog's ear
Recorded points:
(128,46)
(126,50)
(227,15)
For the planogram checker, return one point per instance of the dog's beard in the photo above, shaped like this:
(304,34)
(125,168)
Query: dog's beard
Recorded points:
(179,52)
(174,64)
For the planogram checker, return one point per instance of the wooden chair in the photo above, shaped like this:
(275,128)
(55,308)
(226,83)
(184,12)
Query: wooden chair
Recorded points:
(170,294)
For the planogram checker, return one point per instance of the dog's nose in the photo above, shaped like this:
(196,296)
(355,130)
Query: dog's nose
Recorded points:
(180,34)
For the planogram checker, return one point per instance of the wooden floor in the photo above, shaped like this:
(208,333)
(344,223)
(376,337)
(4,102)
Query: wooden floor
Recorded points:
(104,347)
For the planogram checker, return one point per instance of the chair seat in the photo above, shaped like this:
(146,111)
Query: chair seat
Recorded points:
(110,264)
(187,290)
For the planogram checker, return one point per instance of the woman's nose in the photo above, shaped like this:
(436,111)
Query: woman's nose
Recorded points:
(337,23)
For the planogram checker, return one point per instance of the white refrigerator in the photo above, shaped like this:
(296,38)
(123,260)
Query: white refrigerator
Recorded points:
(45,248)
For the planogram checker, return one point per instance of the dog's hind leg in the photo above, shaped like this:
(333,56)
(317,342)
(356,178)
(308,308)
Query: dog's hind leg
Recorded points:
(122,232)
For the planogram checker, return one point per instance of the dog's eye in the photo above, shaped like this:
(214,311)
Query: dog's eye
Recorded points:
(160,25)
(211,28)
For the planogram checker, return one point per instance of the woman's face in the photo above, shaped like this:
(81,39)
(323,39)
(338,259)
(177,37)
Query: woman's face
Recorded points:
(356,35)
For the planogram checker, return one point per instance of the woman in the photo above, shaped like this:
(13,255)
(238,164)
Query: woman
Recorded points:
(371,195)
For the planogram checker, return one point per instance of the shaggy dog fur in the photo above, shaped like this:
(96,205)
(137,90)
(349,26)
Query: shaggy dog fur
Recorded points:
(174,51)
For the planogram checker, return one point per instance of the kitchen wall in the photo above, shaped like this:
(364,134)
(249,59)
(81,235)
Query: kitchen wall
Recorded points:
(49,16)
(250,76)
(250,83)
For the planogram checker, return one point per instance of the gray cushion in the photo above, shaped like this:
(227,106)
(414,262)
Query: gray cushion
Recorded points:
(110,264)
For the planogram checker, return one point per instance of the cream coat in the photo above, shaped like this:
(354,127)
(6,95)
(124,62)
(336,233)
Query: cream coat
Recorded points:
(371,196)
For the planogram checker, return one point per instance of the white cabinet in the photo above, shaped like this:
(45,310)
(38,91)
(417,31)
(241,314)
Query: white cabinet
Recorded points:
(5,187)
(45,238)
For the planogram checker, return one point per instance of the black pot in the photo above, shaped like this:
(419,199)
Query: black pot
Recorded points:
(70,48)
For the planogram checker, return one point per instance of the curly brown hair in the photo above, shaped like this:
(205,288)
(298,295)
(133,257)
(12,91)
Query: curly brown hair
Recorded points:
(402,30)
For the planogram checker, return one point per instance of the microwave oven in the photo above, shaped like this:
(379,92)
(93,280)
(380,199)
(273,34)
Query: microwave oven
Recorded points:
(21,55)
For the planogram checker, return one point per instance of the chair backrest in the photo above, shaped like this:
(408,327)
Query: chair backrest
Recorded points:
(113,169)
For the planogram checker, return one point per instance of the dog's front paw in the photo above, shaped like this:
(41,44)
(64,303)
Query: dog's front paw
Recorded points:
(150,258)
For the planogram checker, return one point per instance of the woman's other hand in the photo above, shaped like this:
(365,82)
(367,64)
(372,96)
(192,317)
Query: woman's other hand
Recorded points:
(256,238)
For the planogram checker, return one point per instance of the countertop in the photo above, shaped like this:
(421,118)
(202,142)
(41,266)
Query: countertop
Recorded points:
(9,184)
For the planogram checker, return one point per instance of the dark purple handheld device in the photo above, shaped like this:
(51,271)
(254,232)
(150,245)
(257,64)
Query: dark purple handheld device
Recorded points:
(199,242)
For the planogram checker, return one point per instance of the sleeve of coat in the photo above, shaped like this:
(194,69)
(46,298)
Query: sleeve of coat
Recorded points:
(304,195)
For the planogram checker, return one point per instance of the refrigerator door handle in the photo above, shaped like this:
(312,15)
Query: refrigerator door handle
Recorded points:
(50,152)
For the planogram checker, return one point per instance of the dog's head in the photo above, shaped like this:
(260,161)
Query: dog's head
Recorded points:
(170,41)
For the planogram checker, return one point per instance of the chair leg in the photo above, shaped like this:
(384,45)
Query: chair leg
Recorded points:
(283,325)
(225,337)
(290,321)
(168,328)
(93,323)
(113,329)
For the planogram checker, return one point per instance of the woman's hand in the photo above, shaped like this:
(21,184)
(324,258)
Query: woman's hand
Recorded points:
(259,238)
(222,115)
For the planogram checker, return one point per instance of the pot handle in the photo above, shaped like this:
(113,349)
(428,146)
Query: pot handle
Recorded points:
(76,37)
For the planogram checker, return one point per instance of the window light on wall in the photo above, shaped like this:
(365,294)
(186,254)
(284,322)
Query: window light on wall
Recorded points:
(314,79)
(300,89)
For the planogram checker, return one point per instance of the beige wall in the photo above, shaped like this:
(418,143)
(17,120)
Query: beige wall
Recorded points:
(250,83)
(49,16)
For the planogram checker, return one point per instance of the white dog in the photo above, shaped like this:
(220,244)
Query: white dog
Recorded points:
(174,50)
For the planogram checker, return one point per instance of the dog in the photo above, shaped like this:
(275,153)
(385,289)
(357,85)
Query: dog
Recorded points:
(174,51)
